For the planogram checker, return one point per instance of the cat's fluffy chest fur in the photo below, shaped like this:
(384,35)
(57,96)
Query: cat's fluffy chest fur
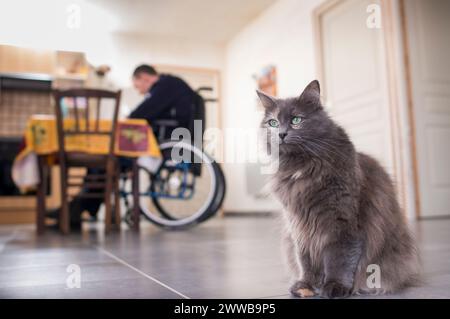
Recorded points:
(310,192)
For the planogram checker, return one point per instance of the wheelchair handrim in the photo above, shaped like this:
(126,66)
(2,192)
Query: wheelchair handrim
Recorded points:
(204,208)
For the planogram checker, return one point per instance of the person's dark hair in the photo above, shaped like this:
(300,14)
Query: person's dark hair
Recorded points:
(144,68)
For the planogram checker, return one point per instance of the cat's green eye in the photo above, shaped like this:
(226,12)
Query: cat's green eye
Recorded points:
(296,120)
(273,123)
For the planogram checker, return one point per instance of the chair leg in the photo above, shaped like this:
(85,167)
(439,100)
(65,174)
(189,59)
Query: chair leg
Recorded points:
(117,216)
(64,218)
(42,187)
(108,191)
(135,191)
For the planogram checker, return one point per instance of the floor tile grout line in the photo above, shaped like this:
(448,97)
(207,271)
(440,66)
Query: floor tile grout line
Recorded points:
(123,262)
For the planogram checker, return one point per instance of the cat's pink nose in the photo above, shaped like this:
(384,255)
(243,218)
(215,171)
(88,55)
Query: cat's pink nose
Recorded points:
(282,135)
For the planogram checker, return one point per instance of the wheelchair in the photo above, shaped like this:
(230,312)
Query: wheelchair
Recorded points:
(180,193)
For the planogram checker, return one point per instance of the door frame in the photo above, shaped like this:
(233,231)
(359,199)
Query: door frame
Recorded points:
(410,104)
(399,95)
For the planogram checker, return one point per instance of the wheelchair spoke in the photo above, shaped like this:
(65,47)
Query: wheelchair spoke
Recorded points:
(180,194)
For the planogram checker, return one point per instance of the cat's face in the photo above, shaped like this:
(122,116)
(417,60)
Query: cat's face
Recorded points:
(295,123)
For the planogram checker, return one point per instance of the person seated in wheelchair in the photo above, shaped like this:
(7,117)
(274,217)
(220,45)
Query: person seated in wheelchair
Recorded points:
(168,103)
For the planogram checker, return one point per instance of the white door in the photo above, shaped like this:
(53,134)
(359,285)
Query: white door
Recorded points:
(355,79)
(428,34)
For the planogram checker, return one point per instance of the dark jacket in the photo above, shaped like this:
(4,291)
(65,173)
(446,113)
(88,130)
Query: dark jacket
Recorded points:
(169,98)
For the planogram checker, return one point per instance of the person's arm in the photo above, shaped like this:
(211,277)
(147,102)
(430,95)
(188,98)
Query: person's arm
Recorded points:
(152,107)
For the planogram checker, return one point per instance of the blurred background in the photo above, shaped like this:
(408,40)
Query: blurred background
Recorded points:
(383,67)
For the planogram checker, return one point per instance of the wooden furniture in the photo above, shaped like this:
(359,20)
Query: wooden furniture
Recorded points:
(60,65)
(41,194)
(26,60)
(86,125)
(61,69)
(20,96)
(134,139)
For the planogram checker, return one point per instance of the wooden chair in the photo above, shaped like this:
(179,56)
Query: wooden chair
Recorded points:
(110,180)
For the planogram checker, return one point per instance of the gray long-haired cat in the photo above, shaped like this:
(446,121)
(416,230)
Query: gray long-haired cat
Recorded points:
(341,212)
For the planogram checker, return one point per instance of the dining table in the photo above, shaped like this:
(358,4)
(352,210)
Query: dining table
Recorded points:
(135,140)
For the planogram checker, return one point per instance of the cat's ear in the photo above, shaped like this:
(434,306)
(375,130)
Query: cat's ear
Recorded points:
(266,100)
(311,94)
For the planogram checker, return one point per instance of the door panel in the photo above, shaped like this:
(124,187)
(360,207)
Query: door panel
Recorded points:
(355,78)
(427,27)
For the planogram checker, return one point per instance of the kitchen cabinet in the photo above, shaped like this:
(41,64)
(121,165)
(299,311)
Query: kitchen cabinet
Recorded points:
(24,60)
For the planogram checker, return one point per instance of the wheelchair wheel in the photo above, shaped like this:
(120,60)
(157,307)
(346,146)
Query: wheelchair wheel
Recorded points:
(185,193)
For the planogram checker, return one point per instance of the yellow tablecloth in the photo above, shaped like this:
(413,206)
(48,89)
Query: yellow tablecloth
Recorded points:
(134,138)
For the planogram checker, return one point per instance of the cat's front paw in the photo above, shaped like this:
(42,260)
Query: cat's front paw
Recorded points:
(302,289)
(333,289)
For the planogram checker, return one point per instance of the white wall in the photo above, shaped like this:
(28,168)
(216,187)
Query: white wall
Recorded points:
(129,50)
(123,52)
(46,27)
(282,36)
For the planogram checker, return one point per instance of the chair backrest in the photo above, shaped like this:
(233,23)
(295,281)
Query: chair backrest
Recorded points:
(75,104)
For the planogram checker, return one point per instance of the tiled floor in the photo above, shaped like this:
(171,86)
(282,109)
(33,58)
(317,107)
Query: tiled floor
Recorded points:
(232,257)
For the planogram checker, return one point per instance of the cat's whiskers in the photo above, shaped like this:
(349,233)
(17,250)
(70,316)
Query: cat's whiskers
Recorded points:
(336,149)
(328,151)
(314,151)
(304,147)
(328,148)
